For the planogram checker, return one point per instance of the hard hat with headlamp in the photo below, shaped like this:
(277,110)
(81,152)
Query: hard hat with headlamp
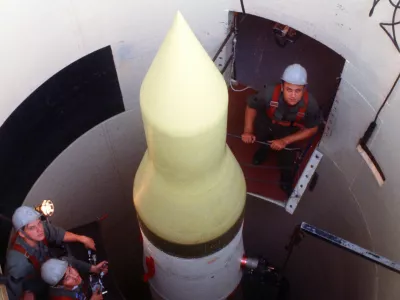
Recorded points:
(23,216)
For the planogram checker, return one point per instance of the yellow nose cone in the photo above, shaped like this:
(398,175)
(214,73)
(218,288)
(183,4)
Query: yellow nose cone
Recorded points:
(189,188)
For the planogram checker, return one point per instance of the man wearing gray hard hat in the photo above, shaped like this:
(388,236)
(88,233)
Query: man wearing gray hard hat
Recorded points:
(65,279)
(283,114)
(29,249)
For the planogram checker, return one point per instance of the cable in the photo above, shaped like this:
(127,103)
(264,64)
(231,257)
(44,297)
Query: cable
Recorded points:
(232,66)
(392,24)
(393,37)
(234,51)
(388,95)
(373,7)
(368,133)
(394,5)
(264,143)
(243,10)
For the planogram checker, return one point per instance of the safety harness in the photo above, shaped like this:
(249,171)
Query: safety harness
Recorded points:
(274,104)
(31,258)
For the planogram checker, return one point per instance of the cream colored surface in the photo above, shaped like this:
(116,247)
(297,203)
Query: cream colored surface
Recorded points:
(189,187)
(39,38)
(3,290)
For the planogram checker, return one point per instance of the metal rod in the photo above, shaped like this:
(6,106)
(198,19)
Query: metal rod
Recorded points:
(353,248)
(227,64)
(223,44)
(264,143)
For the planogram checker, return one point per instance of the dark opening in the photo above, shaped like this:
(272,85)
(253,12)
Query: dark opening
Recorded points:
(77,98)
(261,56)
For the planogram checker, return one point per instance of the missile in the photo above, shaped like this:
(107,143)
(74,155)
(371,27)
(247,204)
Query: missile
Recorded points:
(189,191)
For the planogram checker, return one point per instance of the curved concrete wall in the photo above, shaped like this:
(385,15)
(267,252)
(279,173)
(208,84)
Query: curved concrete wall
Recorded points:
(41,37)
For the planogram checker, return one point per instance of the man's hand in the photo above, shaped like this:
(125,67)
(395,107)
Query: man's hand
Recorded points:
(87,242)
(248,137)
(278,145)
(101,267)
(97,296)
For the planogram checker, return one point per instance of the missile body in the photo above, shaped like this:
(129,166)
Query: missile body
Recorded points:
(189,191)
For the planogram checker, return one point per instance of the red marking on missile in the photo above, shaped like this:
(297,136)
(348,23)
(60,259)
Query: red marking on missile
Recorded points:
(213,260)
(151,269)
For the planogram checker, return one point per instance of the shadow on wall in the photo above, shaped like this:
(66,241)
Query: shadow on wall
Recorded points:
(94,177)
(63,108)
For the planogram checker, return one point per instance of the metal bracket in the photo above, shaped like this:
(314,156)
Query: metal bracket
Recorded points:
(353,248)
(303,181)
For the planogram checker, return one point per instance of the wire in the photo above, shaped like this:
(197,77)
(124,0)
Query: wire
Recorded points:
(392,37)
(387,97)
(264,143)
(232,66)
(373,7)
(234,51)
(242,4)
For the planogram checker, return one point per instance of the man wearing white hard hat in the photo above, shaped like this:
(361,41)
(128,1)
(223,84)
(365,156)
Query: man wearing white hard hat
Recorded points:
(65,279)
(283,114)
(29,249)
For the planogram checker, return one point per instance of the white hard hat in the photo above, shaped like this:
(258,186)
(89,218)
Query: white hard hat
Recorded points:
(53,271)
(23,216)
(295,74)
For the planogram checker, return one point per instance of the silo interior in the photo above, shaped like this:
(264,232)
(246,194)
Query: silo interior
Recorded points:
(71,128)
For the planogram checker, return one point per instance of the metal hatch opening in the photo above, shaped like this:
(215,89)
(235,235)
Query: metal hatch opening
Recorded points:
(257,52)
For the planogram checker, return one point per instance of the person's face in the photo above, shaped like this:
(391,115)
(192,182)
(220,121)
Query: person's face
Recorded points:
(292,93)
(34,230)
(71,278)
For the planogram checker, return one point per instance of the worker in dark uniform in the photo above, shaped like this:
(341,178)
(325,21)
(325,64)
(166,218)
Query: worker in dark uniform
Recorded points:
(65,279)
(282,115)
(29,249)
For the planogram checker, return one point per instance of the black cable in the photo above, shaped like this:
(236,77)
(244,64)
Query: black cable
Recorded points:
(243,10)
(394,5)
(264,143)
(368,133)
(371,12)
(373,7)
(388,95)
(392,24)
(393,36)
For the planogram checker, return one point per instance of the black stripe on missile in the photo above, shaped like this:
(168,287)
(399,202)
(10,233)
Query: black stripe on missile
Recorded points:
(195,250)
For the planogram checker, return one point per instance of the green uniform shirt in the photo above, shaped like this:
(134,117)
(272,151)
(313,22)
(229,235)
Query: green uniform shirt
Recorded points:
(285,112)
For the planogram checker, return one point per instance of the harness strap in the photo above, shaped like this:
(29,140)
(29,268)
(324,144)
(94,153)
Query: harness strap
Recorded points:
(302,110)
(32,259)
(274,103)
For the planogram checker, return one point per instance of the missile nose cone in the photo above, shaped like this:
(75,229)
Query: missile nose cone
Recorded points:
(189,188)
(183,91)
